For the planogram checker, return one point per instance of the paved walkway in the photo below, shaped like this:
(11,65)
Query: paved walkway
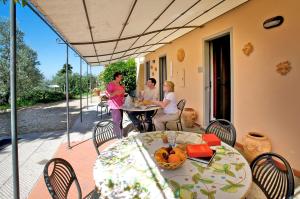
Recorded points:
(43,117)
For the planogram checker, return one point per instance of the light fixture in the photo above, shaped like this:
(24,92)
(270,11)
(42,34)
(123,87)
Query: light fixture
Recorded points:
(273,22)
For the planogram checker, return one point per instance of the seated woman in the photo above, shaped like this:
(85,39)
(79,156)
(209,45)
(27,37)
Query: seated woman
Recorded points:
(169,105)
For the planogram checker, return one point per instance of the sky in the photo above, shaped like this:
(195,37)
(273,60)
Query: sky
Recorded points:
(42,39)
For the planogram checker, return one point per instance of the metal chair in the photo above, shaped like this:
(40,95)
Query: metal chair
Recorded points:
(273,174)
(103,132)
(103,104)
(180,107)
(224,130)
(60,179)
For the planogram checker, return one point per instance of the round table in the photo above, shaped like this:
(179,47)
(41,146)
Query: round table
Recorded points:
(140,108)
(127,169)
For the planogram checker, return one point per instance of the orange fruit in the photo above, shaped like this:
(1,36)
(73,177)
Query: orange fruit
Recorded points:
(177,150)
(159,158)
(174,158)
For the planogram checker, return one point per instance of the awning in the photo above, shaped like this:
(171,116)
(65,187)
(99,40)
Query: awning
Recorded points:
(104,31)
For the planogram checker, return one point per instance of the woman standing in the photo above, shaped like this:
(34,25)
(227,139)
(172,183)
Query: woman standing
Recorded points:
(169,105)
(115,91)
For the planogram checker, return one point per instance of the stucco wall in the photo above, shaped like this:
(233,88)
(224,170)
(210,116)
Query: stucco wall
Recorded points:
(263,100)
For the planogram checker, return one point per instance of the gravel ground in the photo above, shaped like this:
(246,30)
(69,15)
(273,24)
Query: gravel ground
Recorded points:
(42,117)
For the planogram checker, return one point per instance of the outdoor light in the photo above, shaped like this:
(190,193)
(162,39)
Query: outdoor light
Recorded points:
(273,22)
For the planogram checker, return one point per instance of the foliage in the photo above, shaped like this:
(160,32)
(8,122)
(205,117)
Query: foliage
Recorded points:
(43,96)
(28,75)
(74,81)
(22,2)
(128,70)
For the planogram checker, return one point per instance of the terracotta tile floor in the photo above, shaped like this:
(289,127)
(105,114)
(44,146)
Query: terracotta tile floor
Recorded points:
(82,157)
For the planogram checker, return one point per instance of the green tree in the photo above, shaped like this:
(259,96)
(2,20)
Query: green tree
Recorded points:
(74,81)
(128,70)
(22,2)
(28,74)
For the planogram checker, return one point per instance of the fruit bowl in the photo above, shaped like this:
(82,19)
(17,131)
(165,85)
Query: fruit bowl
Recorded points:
(170,158)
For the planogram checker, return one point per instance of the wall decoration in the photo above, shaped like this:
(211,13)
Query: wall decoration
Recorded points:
(153,61)
(273,22)
(248,49)
(155,69)
(284,68)
(180,55)
(152,74)
(151,67)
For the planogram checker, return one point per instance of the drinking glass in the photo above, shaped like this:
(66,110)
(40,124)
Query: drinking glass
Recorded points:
(172,138)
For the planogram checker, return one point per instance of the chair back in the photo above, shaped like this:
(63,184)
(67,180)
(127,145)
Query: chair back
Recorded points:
(59,176)
(180,106)
(103,132)
(273,174)
(224,130)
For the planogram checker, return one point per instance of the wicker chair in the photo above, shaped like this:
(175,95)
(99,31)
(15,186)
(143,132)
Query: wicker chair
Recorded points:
(180,107)
(103,132)
(273,174)
(61,177)
(103,104)
(224,130)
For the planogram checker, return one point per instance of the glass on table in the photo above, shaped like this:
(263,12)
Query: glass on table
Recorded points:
(171,135)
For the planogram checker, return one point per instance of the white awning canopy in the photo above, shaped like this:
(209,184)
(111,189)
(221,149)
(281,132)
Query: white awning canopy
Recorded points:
(105,31)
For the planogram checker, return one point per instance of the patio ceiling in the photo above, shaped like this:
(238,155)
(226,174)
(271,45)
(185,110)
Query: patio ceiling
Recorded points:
(104,31)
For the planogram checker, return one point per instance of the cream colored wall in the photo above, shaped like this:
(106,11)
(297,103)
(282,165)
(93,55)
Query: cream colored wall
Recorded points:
(140,78)
(264,101)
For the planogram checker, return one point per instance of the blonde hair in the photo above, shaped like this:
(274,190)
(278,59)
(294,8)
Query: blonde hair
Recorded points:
(171,85)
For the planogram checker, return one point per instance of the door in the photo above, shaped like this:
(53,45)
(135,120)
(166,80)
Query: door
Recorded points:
(162,75)
(220,78)
(147,71)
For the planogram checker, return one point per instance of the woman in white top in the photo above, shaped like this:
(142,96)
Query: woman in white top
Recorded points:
(169,105)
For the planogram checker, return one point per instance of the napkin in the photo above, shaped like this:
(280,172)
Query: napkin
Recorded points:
(198,150)
(211,139)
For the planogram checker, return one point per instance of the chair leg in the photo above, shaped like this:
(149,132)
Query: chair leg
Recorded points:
(181,126)
(177,126)
(166,126)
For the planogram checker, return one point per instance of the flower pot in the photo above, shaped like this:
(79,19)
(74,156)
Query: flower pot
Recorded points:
(96,92)
(189,117)
(255,144)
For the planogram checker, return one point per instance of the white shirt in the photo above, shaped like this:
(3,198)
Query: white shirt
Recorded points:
(150,94)
(171,108)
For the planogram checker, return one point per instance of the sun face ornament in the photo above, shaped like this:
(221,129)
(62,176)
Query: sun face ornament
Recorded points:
(248,49)
(284,68)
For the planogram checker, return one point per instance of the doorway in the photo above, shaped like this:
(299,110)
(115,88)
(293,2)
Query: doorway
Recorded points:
(220,78)
(162,75)
(147,74)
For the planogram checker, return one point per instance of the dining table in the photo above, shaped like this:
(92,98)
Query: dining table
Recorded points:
(140,108)
(127,169)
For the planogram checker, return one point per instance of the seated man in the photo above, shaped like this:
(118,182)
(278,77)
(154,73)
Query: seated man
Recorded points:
(149,94)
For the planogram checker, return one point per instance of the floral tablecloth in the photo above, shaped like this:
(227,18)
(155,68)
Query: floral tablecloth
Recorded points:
(127,169)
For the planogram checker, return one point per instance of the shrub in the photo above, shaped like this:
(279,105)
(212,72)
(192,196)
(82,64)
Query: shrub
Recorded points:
(43,96)
(128,70)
